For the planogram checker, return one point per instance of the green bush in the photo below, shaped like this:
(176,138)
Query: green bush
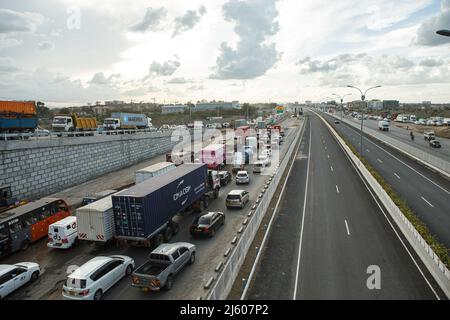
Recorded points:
(441,250)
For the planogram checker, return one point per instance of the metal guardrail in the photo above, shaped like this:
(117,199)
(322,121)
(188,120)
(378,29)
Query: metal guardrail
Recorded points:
(219,287)
(436,163)
(434,265)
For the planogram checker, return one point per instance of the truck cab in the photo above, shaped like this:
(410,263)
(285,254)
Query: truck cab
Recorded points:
(62,123)
(383,125)
(111,124)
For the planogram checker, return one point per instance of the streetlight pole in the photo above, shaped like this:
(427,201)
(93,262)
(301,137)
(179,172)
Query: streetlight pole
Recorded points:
(363,99)
(342,101)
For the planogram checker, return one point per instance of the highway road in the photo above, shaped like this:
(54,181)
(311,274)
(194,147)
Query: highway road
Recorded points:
(188,284)
(403,135)
(329,232)
(427,193)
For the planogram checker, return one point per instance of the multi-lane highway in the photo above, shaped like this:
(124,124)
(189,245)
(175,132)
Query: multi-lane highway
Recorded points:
(331,237)
(188,284)
(403,135)
(427,193)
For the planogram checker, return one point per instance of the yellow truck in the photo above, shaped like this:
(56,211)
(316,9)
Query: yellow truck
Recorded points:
(66,123)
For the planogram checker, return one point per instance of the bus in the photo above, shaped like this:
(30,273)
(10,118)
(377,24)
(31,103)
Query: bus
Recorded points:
(21,226)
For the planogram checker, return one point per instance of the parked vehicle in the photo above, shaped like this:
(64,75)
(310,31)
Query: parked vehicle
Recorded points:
(225,177)
(68,123)
(63,233)
(152,204)
(23,225)
(383,125)
(237,199)
(12,277)
(207,224)
(226,125)
(242,177)
(164,127)
(214,156)
(97,196)
(18,116)
(153,171)
(96,277)
(178,158)
(39,132)
(164,263)
(435,144)
(96,221)
(336,121)
(7,201)
(429,135)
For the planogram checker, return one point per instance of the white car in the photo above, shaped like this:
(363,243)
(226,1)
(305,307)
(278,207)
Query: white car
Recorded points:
(41,132)
(242,177)
(95,277)
(12,277)
(265,158)
(266,152)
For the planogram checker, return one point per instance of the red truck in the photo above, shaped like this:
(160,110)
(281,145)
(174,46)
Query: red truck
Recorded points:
(276,128)
(214,156)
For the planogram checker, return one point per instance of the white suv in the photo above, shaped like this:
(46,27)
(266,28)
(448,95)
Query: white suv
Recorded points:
(95,277)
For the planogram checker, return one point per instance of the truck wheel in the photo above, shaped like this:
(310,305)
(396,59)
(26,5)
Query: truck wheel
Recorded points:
(25,245)
(169,283)
(168,233)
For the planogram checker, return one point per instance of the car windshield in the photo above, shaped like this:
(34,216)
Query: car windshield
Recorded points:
(59,120)
(204,220)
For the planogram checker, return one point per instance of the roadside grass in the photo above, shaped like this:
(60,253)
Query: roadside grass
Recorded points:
(441,250)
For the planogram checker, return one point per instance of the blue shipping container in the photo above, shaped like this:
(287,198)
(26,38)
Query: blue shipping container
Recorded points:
(19,124)
(141,210)
(131,119)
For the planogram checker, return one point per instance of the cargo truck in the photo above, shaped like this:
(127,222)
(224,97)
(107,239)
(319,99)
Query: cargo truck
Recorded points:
(214,156)
(122,120)
(143,214)
(18,116)
(96,221)
(67,123)
(153,171)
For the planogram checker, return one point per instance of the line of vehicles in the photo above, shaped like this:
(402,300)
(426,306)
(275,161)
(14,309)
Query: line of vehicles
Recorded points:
(141,215)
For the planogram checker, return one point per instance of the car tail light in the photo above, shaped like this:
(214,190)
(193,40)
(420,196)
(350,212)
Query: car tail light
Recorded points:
(50,239)
(65,241)
(205,229)
(84,292)
(135,280)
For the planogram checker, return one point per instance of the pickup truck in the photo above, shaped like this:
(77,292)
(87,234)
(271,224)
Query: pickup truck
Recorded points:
(163,264)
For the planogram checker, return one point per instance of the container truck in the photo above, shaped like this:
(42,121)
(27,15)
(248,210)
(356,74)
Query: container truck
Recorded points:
(214,156)
(66,123)
(143,213)
(123,120)
(261,124)
(18,116)
(153,171)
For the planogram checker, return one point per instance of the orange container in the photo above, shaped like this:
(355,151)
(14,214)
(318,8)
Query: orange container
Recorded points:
(18,107)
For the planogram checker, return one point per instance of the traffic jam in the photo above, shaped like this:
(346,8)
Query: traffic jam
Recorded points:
(147,215)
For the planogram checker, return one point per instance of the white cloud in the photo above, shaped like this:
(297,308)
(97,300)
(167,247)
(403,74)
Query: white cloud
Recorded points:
(166,68)
(46,45)
(426,35)
(188,20)
(17,22)
(151,20)
(7,65)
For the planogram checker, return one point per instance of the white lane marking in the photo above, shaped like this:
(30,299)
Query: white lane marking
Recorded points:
(331,168)
(346,226)
(407,165)
(328,156)
(428,202)
(325,148)
(398,177)
(337,189)
(379,160)
(384,213)
(250,277)
(303,218)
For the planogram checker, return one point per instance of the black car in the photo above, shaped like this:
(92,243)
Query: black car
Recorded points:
(435,144)
(207,224)
(336,121)
(225,177)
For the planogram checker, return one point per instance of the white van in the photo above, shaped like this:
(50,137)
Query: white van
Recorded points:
(63,233)
(259,166)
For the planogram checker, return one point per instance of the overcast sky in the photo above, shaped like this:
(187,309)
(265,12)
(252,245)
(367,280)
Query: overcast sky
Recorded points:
(70,52)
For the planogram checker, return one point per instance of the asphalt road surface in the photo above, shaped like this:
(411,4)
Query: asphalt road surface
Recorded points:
(427,193)
(403,135)
(330,232)
(188,284)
